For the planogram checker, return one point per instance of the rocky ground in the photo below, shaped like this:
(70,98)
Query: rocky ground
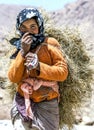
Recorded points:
(6,124)
(85,118)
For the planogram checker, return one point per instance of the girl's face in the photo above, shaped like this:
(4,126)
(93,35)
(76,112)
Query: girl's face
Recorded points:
(30,26)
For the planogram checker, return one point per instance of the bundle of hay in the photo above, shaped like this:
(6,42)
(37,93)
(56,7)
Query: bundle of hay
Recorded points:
(76,88)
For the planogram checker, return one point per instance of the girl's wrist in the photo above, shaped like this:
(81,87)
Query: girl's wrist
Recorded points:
(23,53)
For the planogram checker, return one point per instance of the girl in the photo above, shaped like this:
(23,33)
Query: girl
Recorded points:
(37,69)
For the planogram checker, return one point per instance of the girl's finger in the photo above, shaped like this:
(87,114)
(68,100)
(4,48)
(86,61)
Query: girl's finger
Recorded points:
(30,54)
(26,34)
(28,41)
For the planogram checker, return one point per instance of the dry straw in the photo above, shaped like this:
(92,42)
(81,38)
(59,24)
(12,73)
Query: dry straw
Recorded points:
(76,90)
(77,87)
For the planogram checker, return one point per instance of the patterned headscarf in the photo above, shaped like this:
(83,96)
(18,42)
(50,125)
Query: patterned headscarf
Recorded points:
(24,15)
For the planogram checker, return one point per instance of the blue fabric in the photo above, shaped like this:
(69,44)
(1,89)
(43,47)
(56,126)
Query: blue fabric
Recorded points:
(24,15)
(17,44)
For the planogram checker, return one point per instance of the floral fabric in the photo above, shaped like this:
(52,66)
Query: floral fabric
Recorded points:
(24,15)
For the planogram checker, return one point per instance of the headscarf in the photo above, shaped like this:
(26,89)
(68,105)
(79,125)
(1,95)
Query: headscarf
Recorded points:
(24,15)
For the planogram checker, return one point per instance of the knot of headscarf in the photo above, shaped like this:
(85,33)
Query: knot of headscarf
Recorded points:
(24,15)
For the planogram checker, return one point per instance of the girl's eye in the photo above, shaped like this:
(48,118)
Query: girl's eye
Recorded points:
(30,28)
(22,28)
(33,27)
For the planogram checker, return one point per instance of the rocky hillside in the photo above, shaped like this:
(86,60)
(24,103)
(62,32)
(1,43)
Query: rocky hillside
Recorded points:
(79,13)
(76,13)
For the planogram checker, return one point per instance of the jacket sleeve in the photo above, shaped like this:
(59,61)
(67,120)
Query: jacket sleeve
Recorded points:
(16,69)
(58,71)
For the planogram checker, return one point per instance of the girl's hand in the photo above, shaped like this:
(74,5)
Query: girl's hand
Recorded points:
(31,61)
(26,42)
